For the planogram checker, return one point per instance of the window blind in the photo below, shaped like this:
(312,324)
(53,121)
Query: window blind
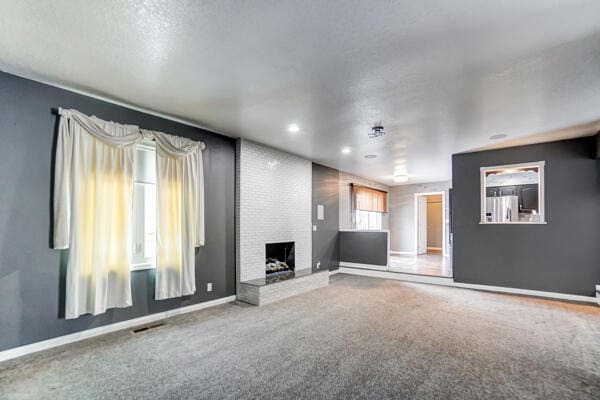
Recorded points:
(368,199)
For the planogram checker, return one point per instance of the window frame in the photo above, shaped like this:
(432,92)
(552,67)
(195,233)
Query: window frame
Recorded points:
(370,214)
(540,165)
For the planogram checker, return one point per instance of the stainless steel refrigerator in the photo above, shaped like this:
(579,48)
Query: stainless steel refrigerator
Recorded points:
(502,209)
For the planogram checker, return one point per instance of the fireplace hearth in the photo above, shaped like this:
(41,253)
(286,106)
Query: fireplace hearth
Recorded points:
(280,258)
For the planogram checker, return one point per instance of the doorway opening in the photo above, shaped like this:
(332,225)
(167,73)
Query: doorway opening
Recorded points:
(431,248)
(430,232)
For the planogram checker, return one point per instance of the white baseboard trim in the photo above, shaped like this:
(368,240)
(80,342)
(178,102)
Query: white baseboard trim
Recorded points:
(434,280)
(527,292)
(102,330)
(403,253)
(335,271)
(363,266)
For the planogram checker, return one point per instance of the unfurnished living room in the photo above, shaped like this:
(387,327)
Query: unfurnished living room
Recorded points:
(299,199)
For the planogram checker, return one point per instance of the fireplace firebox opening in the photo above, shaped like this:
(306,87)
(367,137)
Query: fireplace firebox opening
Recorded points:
(279,258)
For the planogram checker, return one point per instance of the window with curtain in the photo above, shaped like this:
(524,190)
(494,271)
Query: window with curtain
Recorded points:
(121,202)
(368,206)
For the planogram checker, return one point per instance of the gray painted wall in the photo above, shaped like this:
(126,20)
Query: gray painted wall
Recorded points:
(561,256)
(31,277)
(325,241)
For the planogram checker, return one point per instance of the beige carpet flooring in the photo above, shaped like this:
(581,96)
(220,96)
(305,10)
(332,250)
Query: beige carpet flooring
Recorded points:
(359,338)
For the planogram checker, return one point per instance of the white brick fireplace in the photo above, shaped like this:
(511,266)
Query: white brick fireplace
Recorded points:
(273,204)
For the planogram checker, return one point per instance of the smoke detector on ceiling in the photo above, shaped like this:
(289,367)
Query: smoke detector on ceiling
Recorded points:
(376,131)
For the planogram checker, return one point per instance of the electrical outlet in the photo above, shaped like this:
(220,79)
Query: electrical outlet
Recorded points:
(209,287)
(314,228)
(318,264)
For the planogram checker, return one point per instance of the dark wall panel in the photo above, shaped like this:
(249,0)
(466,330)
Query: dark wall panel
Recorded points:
(364,247)
(31,273)
(325,191)
(561,256)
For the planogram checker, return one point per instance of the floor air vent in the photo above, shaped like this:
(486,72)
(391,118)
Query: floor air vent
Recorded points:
(147,327)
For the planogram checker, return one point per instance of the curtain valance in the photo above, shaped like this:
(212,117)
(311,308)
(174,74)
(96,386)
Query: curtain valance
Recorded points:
(108,132)
(174,146)
(93,199)
(368,199)
(120,135)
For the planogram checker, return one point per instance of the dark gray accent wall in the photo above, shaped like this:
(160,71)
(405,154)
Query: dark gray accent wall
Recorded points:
(31,273)
(363,247)
(563,255)
(325,242)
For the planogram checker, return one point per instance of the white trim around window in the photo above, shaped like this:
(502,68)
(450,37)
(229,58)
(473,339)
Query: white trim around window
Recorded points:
(541,190)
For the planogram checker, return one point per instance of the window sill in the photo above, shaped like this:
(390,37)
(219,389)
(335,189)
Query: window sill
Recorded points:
(141,266)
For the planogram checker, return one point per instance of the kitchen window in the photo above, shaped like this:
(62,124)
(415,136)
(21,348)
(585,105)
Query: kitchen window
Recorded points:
(144,207)
(513,194)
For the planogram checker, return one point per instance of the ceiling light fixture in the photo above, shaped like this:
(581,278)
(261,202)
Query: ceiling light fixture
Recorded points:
(376,131)
(293,128)
(400,178)
(371,156)
(346,150)
(498,136)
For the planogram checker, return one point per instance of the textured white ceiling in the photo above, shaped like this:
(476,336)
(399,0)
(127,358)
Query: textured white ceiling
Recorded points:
(441,76)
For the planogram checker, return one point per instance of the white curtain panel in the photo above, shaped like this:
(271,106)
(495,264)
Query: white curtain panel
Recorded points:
(93,193)
(180,222)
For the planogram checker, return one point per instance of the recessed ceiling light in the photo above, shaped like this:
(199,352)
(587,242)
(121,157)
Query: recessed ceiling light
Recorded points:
(346,150)
(400,178)
(293,128)
(498,136)
(369,156)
